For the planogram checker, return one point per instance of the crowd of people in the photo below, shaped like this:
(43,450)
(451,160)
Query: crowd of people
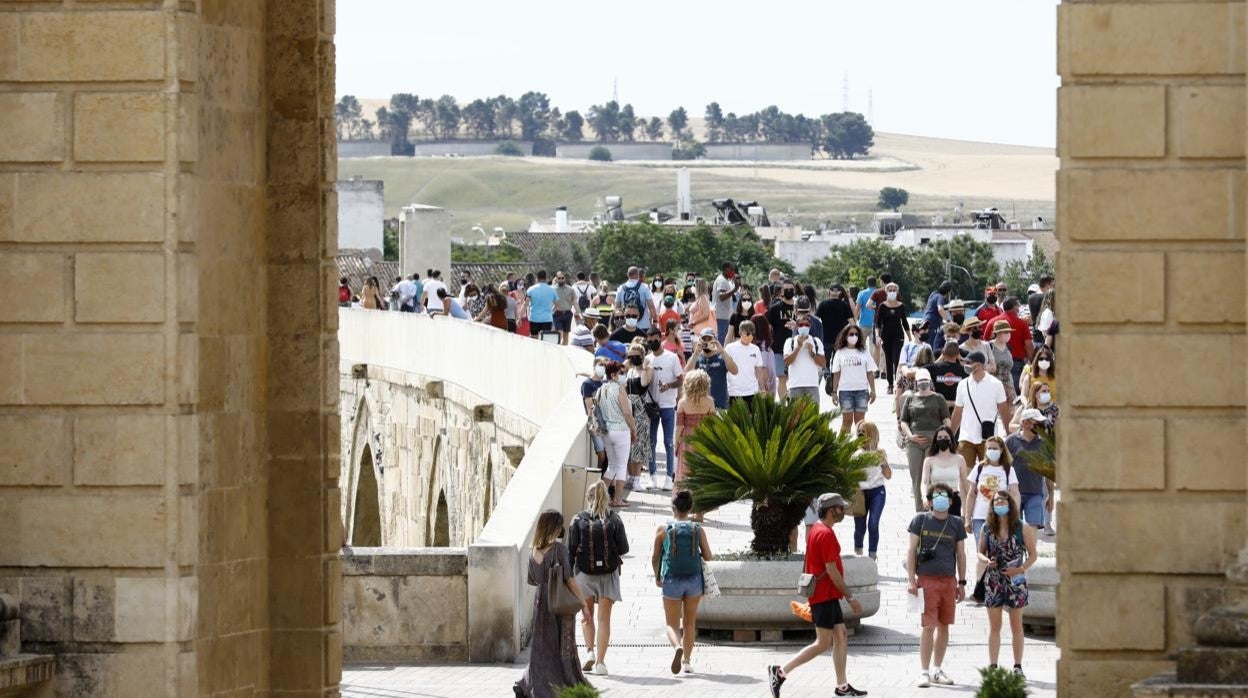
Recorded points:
(972,385)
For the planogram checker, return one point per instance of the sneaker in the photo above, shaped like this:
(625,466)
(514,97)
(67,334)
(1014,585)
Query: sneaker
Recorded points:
(1048,530)
(924,680)
(600,669)
(667,483)
(1018,671)
(680,653)
(848,690)
(775,679)
(940,677)
(686,668)
(590,658)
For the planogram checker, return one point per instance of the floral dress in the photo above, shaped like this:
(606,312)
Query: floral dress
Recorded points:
(999,590)
(640,450)
(685,424)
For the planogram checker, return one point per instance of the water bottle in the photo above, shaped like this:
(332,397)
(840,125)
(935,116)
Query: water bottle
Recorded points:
(1019,579)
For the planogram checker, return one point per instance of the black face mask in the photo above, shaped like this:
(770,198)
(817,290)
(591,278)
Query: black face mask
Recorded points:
(992,300)
(958,317)
(977,333)
(652,344)
(943,443)
(789,293)
(634,360)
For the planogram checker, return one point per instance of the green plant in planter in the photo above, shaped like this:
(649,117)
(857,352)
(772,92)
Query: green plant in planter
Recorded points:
(580,690)
(778,455)
(1043,461)
(996,682)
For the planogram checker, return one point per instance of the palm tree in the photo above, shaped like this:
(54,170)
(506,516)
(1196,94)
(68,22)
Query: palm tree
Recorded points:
(1043,461)
(776,454)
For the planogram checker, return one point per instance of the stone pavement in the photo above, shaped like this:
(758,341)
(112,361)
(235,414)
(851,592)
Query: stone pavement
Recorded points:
(883,657)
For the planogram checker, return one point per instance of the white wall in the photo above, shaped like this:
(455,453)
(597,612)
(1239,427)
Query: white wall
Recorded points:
(619,151)
(361,214)
(758,151)
(424,240)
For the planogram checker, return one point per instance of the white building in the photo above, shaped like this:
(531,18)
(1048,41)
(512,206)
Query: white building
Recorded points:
(801,248)
(361,214)
(1007,245)
(424,239)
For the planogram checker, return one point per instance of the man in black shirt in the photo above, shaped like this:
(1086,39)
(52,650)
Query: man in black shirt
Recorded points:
(1034,301)
(947,372)
(834,312)
(629,331)
(780,317)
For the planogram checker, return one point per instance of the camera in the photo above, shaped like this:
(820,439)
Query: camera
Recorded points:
(925,555)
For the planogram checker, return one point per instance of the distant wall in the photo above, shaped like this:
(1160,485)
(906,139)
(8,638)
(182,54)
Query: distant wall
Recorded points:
(757,151)
(404,604)
(619,151)
(361,214)
(802,253)
(465,148)
(363,149)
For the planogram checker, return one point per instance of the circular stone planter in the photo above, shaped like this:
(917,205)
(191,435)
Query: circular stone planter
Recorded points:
(1042,581)
(755,594)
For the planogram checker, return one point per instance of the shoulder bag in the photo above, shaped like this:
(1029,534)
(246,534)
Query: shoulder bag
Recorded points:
(710,585)
(986,429)
(806,584)
(559,597)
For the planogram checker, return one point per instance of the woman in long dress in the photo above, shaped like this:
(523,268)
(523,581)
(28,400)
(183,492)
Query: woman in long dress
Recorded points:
(637,385)
(690,411)
(552,643)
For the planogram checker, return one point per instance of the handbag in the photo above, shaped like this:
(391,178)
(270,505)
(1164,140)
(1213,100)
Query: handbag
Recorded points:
(652,407)
(806,584)
(710,585)
(559,597)
(858,504)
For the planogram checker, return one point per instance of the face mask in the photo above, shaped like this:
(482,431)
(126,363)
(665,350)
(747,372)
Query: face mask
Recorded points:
(943,444)
(630,322)
(1044,364)
(1043,398)
(600,373)
(789,293)
(803,330)
(852,340)
(892,295)
(992,300)
(993,454)
(634,360)
(652,344)
(940,503)
(746,302)
(958,317)
(925,385)
(1001,509)
(977,333)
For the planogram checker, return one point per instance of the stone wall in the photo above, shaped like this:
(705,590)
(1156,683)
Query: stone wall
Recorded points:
(619,151)
(404,604)
(427,442)
(167,478)
(1151,203)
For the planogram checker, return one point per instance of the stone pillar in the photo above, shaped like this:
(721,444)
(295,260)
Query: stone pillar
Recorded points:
(1151,202)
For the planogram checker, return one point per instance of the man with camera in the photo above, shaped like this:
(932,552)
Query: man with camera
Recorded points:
(936,569)
(709,355)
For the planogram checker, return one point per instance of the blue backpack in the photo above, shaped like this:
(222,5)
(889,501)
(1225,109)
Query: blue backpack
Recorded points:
(631,297)
(682,549)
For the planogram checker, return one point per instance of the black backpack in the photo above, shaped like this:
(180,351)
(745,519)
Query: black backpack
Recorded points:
(595,550)
(583,294)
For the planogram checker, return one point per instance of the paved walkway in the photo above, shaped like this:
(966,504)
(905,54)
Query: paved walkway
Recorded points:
(883,658)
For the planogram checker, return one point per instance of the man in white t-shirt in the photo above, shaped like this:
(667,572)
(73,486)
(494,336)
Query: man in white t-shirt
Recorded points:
(406,290)
(980,399)
(431,292)
(723,295)
(803,355)
(751,371)
(664,388)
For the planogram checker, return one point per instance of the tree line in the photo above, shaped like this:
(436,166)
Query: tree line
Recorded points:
(531,117)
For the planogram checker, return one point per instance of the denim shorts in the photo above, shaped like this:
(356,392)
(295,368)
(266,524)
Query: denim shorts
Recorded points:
(1033,509)
(677,587)
(977,528)
(782,369)
(854,400)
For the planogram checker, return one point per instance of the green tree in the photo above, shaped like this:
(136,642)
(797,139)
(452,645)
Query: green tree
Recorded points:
(973,266)
(678,121)
(654,129)
(390,244)
(347,116)
(479,119)
(397,121)
(892,198)
(505,112)
(714,122)
(616,246)
(599,154)
(533,111)
(509,148)
(689,150)
(446,117)
(1018,275)
(627,124)
(846,134)
(573,122)
(605,120)
(570,256)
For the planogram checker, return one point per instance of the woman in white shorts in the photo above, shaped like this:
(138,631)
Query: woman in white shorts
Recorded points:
(617,415)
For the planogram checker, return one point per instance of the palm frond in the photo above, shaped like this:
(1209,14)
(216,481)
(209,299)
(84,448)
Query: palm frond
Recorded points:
(1043,461)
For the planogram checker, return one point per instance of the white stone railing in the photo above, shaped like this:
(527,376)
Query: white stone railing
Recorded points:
(534,380)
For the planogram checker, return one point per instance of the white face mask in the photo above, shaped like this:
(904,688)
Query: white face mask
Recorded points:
(852,340)
(1043,398)
(1044,364)
(630,322)
(600,373)
(892,295)
(993,454)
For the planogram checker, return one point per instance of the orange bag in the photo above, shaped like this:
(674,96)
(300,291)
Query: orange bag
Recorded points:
(801,610)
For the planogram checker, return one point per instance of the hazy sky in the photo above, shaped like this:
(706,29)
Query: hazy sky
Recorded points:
(970,69)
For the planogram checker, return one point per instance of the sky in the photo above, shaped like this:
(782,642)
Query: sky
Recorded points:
(981,70)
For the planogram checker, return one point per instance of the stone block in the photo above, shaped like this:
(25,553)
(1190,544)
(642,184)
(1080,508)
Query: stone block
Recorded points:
(333,591)
(82,531)
(333,658)
(94,369)
(1114,454)
(1120,204)
(94,604)
(89,207)
(119,127)
(1113,121)
(1118,287)
(36,124)
(36,451)
(119,287)
(1190,38)
(1210,121)
(297,595)
(17,270)
(297,659)
(1108,609)
(1212,371)
(1133,542)
(84,46)
(1190,273)
(46,609)
(409,611)
(1206,453)
(140,609)
(1104,676)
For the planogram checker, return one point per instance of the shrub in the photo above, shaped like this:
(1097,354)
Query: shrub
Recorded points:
(996,682)
(510,149)
(599,154)
(580,690)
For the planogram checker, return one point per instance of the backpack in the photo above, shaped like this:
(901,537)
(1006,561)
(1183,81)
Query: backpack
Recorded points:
(582,298)
(631,297)
(595,553)
(681,549)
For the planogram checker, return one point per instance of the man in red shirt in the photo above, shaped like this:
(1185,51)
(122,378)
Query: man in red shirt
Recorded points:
(1021,347)
(823,559)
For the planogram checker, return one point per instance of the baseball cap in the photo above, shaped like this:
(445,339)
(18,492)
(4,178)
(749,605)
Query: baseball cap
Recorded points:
(1034,415)
(922,375)
(830,499)
(707,332)
(976,357)
(803,303)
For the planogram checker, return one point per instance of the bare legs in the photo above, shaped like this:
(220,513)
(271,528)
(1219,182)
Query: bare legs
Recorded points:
(941,636)
(682,622)
(599,638)
(837,639)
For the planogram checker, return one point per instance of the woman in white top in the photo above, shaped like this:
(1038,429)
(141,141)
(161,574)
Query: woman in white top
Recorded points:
(617,417)
(944,466)
(852,369)
(872,491)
